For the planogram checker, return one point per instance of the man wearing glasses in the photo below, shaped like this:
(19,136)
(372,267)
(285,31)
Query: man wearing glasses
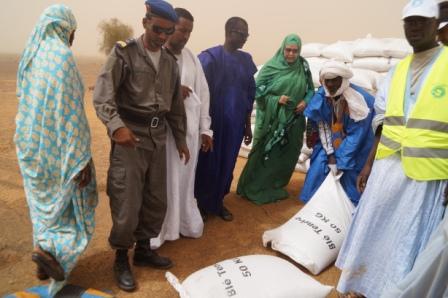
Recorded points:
(230,77)
(136,94)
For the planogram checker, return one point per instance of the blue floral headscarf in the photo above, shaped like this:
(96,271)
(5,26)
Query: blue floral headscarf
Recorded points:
(53,141)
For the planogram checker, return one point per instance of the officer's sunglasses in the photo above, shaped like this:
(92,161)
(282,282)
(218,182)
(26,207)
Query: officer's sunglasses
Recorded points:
(159,30)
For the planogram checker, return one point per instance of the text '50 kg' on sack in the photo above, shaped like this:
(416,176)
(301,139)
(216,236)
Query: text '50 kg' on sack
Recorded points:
(254,276)
(313,237)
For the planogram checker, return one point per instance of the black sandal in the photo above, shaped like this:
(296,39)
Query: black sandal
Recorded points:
(41,274)
(48,265)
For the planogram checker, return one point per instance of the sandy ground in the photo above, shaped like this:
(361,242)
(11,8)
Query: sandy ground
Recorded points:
(221,239)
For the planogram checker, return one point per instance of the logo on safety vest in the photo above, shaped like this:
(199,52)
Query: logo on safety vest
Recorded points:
(438,91)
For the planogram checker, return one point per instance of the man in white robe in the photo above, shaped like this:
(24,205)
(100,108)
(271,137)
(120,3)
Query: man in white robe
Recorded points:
(398,210)
(182,215)
(429,275)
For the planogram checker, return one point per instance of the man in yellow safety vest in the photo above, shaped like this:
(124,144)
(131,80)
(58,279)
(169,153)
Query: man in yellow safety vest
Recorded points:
(402,201)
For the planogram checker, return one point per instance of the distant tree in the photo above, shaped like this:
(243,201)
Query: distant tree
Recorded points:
(113,30)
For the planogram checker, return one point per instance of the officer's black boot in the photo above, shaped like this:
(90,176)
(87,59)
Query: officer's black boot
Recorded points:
(144,256)
(122,270)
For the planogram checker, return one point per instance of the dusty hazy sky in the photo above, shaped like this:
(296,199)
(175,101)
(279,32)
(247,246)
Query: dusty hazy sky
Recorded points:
(269,21)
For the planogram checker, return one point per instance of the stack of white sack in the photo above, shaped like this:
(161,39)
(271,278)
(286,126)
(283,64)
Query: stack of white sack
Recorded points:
(245,149)
(370,58)
(253,276)
(377,55)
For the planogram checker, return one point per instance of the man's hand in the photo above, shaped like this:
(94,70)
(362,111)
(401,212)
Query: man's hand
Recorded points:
(301,107)
(186,91)
(84,176)
(184,153)
(331,159)
(283,100)
(363,176)
(333,169)
(332,165)
(124,136)
(206,143)
(247,135)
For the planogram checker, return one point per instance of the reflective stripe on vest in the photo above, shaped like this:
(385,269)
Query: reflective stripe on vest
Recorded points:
(423,140)
(394,120)
(390,143)
(428,125)
(425,152)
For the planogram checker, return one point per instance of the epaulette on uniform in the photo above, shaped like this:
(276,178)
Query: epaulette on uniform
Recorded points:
(123,44)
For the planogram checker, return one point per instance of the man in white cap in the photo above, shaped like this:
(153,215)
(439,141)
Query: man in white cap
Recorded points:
(342,113)
(402,201)
(429,275)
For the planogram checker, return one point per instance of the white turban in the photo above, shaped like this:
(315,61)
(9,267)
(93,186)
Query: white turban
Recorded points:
(332,69)
(357,106)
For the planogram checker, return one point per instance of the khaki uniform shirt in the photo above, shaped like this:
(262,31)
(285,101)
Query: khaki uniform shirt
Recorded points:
(129,81)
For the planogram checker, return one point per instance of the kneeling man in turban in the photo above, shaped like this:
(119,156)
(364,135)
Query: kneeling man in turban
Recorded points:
(342,112)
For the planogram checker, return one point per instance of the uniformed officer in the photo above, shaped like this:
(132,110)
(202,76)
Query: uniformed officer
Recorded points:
(136,94)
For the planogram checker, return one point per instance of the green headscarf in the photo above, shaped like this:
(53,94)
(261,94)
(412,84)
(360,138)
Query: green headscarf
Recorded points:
(275,79)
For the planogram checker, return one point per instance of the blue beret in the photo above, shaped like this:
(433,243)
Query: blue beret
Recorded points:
(162,9)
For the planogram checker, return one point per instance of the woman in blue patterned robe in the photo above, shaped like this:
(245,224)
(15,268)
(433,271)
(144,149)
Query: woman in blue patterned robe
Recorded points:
(53,147)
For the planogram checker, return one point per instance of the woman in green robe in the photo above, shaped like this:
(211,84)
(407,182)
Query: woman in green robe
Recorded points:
(284,86)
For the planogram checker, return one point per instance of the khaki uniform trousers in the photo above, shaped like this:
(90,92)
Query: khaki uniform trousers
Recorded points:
(136,186)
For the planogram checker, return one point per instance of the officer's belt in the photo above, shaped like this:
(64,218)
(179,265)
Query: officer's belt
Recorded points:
(152,120)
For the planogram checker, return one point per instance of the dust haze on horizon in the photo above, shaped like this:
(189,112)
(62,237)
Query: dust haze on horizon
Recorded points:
(323,21)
